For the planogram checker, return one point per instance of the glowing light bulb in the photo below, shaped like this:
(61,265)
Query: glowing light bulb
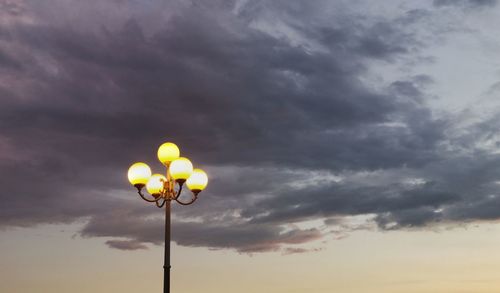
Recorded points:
(197,181)
(155,184)
(181,169)
(168,152)
(138,174)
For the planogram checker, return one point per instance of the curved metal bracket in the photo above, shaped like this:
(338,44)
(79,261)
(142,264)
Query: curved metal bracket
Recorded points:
(176,197)
(146,199)
(162,203)
(193,199)
(165,197)
(178,193)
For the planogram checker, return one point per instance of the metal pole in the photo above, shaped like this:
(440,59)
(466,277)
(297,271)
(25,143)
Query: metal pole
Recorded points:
(166,263)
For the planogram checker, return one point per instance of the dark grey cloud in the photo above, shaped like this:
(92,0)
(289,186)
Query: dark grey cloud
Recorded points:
(229,232)
(285,122)
(8,61)
(468,3)
(126,244)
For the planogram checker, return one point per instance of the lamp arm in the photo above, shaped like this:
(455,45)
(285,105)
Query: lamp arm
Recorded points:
(146,199)
(178,194)
(193,199)
(162,203)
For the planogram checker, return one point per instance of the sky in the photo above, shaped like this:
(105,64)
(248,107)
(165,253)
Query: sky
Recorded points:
(351,146)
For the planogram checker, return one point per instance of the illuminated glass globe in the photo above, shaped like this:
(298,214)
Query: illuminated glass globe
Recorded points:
(138,174)
(155,184)
(168,152)
(181,169)
(197,181)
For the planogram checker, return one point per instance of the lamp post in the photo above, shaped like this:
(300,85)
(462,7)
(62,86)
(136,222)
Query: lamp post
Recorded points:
(165,189)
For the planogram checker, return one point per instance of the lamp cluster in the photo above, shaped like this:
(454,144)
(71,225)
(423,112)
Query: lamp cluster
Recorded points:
(179,171)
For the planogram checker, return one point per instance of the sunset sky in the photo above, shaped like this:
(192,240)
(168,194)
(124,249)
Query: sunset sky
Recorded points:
(352,146)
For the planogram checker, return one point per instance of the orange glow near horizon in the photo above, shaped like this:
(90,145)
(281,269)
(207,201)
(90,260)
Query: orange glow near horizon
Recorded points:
(459,260)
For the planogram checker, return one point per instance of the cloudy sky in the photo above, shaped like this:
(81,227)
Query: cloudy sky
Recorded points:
(351,145)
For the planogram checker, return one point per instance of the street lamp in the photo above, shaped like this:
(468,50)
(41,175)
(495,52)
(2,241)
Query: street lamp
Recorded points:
(165,189)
